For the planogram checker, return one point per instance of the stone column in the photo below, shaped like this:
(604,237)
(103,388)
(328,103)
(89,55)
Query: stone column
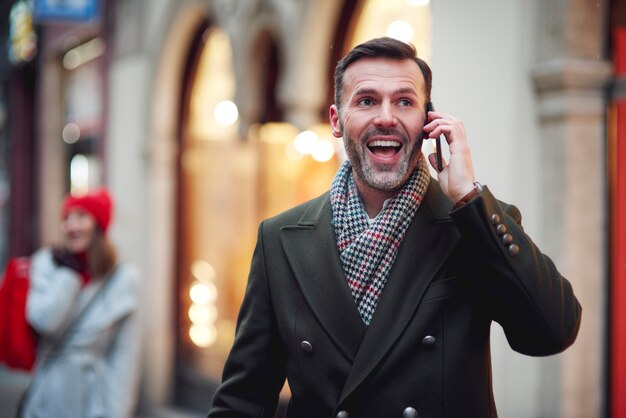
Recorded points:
(570,80)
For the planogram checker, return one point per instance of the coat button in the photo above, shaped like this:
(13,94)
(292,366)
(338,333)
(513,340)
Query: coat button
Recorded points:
(501,229)
(429,340)
(306,347)
(513,250)
(343,414)
(409,412)
(495,219)
(507,239)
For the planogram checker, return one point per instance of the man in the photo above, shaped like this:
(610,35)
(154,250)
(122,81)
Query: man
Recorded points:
(376,299)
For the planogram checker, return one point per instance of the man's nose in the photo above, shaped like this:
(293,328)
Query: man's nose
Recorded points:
(386,116)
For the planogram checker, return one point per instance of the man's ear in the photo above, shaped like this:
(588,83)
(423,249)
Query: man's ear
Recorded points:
(335,122)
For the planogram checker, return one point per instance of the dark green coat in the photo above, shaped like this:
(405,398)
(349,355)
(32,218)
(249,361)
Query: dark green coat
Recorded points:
(427,346)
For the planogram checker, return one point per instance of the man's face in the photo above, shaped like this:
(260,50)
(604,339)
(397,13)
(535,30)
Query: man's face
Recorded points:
(381,120)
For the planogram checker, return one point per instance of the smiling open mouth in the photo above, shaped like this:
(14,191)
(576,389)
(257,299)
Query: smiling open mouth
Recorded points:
(384,148)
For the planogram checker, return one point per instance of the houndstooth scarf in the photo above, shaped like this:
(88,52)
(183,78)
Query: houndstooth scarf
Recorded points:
(368,251)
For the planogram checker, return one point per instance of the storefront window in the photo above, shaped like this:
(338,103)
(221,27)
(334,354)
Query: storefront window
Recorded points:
(213,115)
(217,210)
(406,20)
(233,178)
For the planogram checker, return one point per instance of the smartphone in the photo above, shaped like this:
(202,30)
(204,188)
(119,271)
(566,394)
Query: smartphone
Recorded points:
(431,108)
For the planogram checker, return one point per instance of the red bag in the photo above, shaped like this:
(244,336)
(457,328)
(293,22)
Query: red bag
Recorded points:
(18,340)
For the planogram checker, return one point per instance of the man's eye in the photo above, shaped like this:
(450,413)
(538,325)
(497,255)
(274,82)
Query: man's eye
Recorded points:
(405,102)
(366,101)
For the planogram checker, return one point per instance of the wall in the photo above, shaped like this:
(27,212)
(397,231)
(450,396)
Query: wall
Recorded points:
(527,78)
(481,74)
(570,76)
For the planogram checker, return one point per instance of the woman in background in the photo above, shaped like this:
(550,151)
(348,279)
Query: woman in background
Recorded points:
(84,306)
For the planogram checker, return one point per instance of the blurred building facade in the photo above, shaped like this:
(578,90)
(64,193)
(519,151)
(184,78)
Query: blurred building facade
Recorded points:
(204,117)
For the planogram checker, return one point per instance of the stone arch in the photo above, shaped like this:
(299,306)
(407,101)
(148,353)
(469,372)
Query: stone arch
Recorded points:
(264,69)
(303,91)
(162,153)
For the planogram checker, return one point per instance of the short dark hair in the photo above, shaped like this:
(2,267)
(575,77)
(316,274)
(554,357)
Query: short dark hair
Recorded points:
(384,47)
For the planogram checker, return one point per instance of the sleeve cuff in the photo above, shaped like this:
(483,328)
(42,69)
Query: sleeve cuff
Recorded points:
(475,192)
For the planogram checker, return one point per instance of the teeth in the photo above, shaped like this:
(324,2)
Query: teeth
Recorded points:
(384,144)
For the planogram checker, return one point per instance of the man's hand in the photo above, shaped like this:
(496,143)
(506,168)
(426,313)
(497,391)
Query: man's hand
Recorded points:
(457,177)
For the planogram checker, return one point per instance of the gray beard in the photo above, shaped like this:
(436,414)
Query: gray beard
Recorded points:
(391,182)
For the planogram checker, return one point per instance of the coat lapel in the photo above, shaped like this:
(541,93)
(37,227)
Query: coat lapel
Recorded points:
(426,245)
(313,256)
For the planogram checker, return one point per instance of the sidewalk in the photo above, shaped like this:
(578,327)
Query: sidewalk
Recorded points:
(172,412)
(13,384)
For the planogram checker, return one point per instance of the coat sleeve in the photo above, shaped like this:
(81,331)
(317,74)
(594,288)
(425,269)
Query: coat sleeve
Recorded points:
(52,294)
(254,371)
(122,358)
(525,292)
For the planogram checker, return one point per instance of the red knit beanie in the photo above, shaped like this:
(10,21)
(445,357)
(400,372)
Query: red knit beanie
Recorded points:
(98,203)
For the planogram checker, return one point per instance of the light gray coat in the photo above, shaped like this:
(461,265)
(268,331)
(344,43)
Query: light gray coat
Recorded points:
(94,372)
